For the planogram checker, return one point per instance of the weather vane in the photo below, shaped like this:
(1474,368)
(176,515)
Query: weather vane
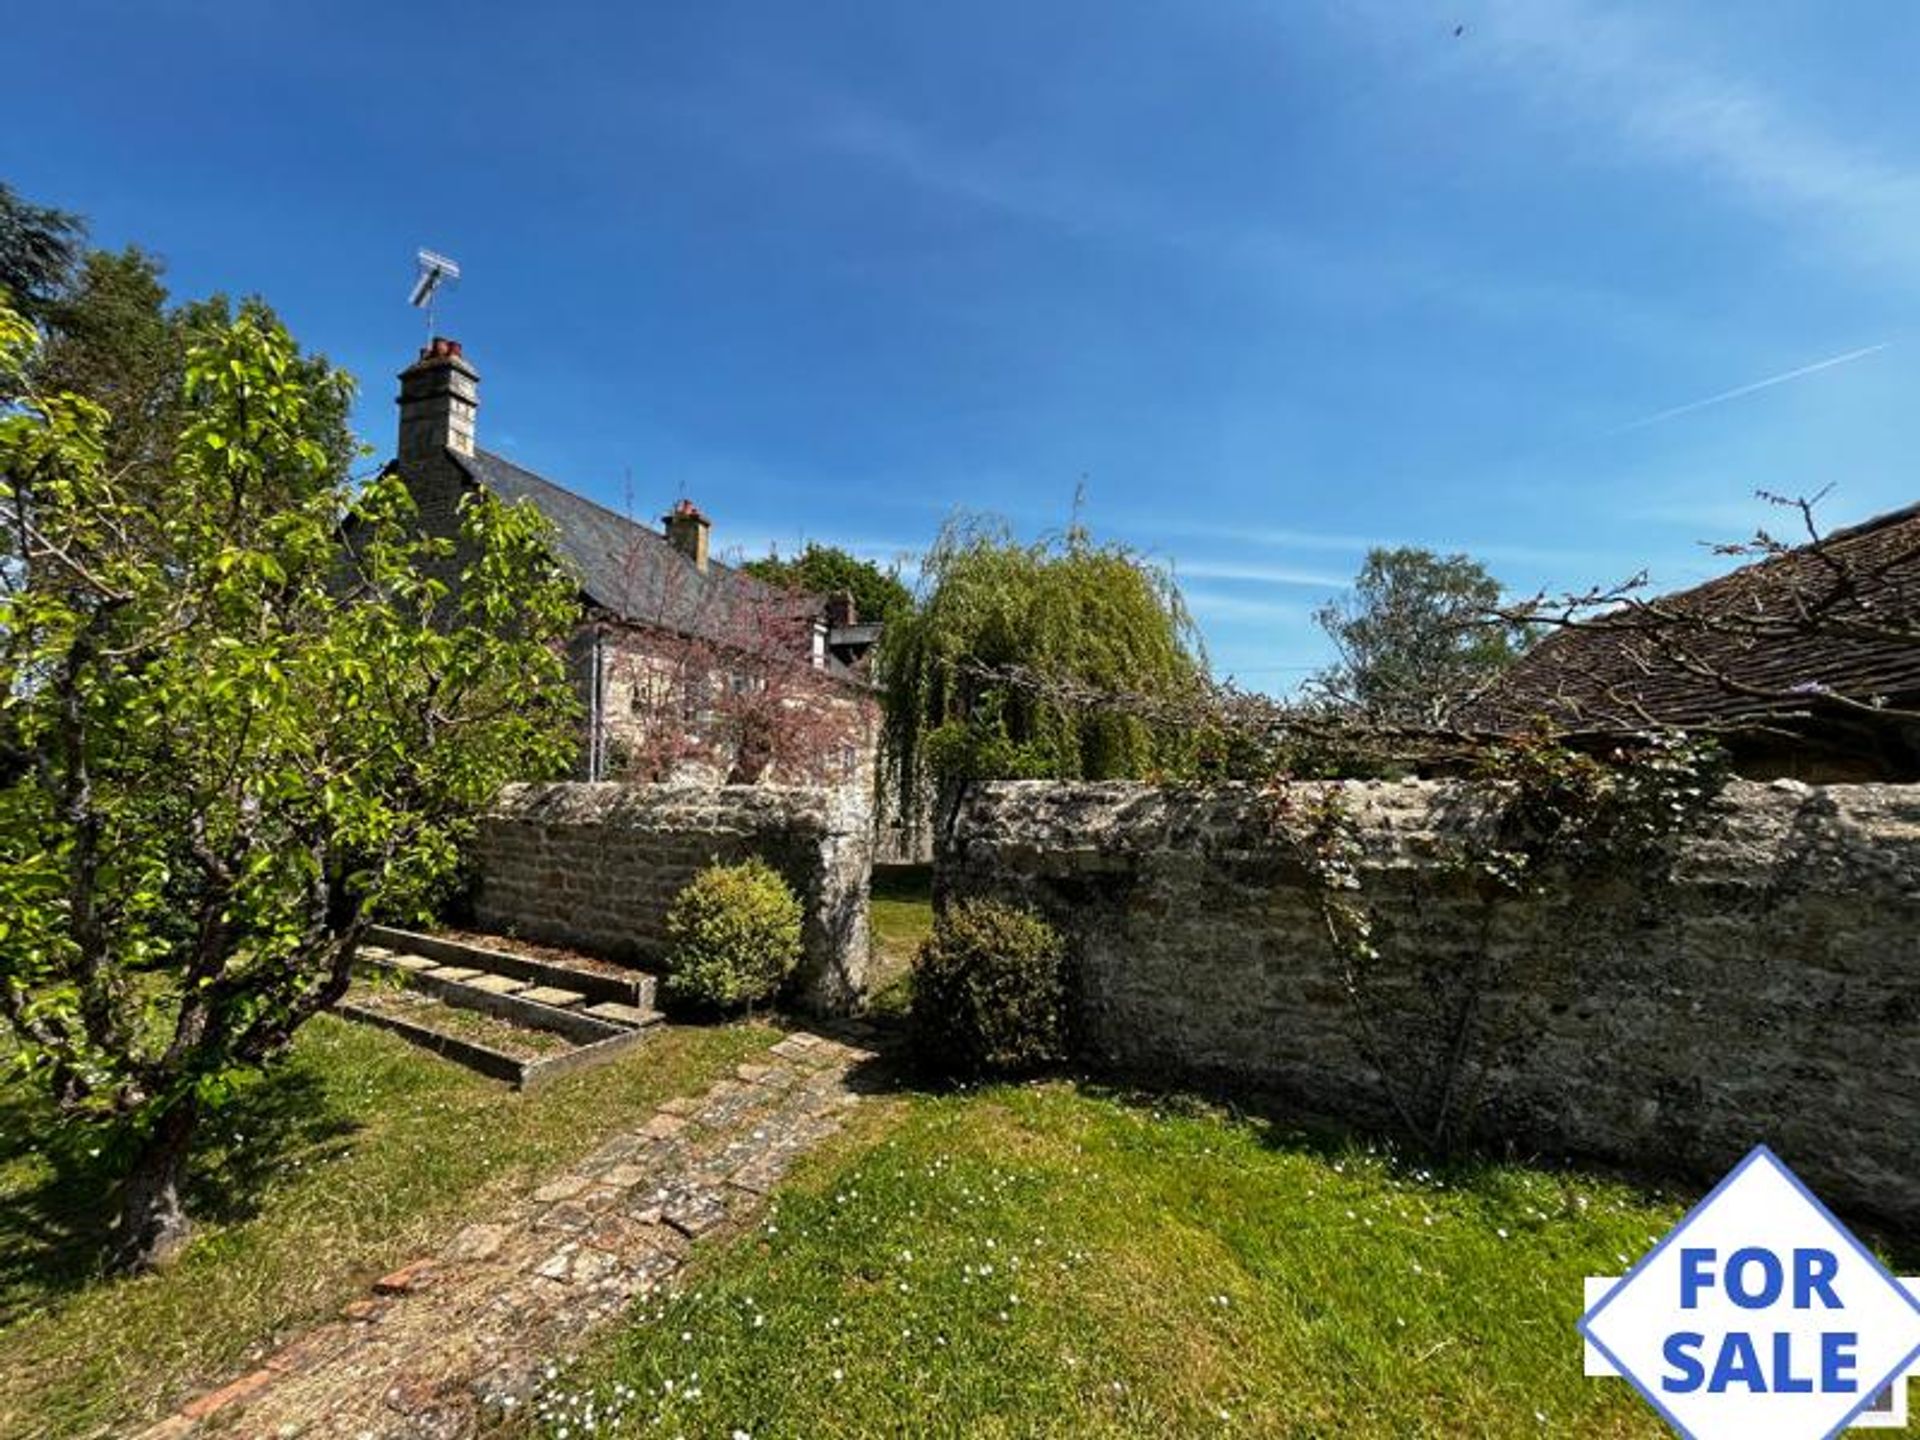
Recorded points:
(435,270)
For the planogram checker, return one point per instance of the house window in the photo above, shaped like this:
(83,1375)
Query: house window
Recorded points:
(651,693)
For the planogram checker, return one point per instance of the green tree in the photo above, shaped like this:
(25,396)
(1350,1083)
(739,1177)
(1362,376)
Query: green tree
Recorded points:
(1416,636)
(1017,657)
(877,594)
(110,338)
(237,725)
(39,250)
(329,405)
(113,335)
(116,338)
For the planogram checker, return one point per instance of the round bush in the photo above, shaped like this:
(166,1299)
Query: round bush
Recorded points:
(989,992)
(733,936)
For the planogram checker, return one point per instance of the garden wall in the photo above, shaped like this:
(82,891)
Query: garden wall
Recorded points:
(1762,983)
(597,866)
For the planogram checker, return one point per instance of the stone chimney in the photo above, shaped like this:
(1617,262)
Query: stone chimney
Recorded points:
(439,394)
(688,530)
(841,611)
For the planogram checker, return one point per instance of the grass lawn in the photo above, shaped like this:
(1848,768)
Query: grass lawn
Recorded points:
(355,1154)
(1052,1260)
(901,916)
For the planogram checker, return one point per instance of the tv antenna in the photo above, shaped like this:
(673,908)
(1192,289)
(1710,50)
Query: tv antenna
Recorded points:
(435,271)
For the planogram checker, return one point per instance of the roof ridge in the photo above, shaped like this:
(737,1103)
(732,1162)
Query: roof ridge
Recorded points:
(1875,522)
(712,564)
(718,572)
(1758,564)
(1602,669)
(572,493)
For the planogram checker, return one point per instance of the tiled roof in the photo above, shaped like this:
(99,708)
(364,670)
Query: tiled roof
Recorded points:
(634,572)
(1783,632)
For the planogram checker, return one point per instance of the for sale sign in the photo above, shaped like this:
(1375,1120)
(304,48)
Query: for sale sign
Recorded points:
(1760,1316)
(1886,1411)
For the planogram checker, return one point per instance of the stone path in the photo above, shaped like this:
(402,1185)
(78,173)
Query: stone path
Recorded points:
(450,1338)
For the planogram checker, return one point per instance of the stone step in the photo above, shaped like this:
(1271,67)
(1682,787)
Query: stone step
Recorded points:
(413,950)
(500,985)
(494,1046)
(629,1015)
(532,1007)
(473,1038)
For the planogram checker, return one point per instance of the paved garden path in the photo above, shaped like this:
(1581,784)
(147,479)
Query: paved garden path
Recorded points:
(450,1338)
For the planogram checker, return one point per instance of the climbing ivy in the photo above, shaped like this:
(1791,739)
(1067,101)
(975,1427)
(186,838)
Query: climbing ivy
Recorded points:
(1559,804)
(1552,809)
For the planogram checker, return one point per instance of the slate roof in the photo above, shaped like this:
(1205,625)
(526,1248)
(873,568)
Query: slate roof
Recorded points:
(634,572)
(1620,675)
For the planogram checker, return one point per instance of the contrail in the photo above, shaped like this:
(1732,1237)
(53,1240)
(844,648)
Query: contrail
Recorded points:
(1736,393)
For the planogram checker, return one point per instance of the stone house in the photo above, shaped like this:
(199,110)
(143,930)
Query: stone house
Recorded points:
(1806,662)
(688,669)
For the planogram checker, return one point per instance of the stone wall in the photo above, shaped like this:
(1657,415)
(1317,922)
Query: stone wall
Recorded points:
(1762,983)
(597,866)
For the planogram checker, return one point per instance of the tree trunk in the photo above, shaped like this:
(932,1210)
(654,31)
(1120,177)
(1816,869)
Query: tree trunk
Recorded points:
(152,1225)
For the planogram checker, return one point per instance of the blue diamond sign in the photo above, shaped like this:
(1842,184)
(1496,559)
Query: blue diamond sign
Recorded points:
(1760,1316)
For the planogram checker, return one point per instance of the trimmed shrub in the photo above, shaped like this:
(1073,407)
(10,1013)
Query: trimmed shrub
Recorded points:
(733,936)
(989,992)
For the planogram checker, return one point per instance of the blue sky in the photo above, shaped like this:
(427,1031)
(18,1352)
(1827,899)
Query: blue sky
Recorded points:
(1275,281)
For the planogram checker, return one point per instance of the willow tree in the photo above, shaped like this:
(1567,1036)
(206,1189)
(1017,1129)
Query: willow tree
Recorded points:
(234,727)
(981,676)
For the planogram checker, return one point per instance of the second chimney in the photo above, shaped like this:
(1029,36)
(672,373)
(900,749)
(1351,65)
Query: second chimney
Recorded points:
(841,611)
(687,530)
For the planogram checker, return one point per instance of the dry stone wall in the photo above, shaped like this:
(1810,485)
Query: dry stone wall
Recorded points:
(1762,982)
(597,865)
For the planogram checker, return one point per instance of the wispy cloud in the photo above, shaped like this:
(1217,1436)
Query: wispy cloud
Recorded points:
(1356,545)
(1254,534)
(1656,90)
(1738,391)
(1037,179)
(1027,187)
(1257,574)
(1217,605)
(1710,520)
(1271,254)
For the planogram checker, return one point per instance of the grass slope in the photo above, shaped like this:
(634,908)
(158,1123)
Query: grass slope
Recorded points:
(351,1157)
(1053,1261)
